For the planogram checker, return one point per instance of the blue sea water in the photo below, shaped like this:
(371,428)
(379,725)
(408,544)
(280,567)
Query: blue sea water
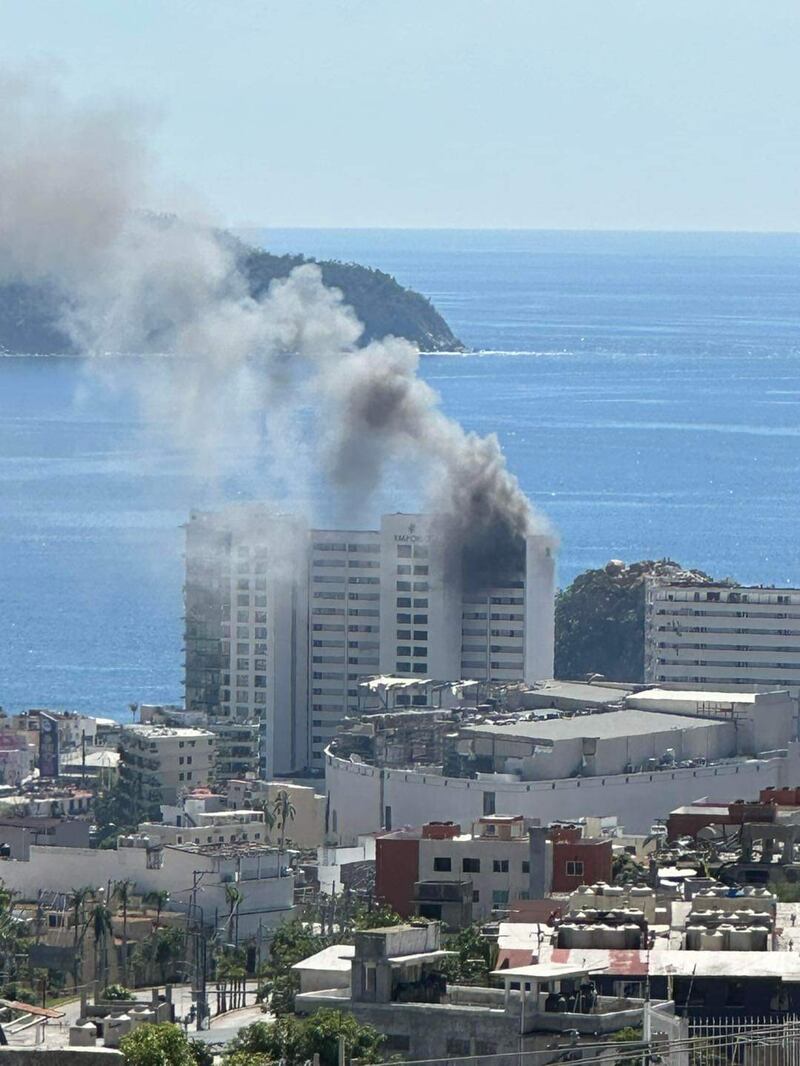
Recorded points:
(645,387)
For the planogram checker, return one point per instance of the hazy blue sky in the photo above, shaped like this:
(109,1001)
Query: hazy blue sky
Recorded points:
(508,113)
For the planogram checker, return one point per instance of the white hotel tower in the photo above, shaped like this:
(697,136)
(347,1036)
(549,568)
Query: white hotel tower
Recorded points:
(282,621)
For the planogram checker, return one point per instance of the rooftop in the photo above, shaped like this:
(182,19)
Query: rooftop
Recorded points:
(154,732)
(546,971)
(336,957)
(580,691)
(668,695)
(604,725)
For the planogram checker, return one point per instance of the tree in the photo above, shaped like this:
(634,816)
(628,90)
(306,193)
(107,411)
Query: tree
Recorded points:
(123,890)
(295,1040)
(158,900)
(100,920)
(599,620)
(269,818)
(156,956)
(233,897)
(473,959)
(117,993)
(284,812)
(77,899)
(164,1044)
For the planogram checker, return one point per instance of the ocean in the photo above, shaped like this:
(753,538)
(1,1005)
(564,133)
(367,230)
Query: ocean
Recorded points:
(645,387)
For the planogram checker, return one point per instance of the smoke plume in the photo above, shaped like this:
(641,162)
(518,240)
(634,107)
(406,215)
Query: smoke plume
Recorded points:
(73,181)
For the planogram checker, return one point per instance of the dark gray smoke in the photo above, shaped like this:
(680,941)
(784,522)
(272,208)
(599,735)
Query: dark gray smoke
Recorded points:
(72,182)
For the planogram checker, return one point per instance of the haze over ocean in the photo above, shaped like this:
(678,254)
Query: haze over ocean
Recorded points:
(645,387)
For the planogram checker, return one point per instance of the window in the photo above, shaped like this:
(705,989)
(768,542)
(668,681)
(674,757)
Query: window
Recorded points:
(526,866)
(442,864)
(476,896)
(574,868)
(489,803)
(403,551)
(500,866)
(471,866)
(499,896)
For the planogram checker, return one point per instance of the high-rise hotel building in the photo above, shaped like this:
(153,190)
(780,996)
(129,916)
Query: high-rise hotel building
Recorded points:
(282,622)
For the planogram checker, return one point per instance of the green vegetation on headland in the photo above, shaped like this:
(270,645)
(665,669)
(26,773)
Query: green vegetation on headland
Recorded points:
(600,620)
(29,313)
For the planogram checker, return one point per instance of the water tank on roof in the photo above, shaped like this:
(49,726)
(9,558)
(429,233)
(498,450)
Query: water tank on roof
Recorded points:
(694,935)
(712,941)
(632,935)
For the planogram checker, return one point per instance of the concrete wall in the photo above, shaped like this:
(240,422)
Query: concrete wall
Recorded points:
(359,793)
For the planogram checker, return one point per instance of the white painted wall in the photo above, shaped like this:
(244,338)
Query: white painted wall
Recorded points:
(359,793)
(268,899)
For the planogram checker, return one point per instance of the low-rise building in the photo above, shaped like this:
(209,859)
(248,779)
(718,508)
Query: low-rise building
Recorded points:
(161,762)
(397,985)
(305,826)
(438,872)
(195,877)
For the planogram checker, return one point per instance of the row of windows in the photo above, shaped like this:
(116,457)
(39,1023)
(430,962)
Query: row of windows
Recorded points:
(339,546)
(675,628)
(692,612)
(740,664)
(783,648)
(409,586)
(406,551)
(405,568)
(707,679)
(405,601)
(405,619)
(405,634)
(406,650)
(444,864)
(407,668)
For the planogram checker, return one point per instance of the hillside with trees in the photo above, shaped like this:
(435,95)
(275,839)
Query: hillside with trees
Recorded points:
(600,619)
(29,314)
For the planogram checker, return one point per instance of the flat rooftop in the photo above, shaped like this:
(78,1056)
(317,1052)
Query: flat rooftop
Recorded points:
(579,691)
(605,725)
(669,695)
(338,957)
(154,732)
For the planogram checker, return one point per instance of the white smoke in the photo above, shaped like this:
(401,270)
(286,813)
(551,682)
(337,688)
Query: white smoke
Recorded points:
(72,184)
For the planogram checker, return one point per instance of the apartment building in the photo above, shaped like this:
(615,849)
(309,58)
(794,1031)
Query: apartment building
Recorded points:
(721,636)
(161,762)
(282,622)
(439,872)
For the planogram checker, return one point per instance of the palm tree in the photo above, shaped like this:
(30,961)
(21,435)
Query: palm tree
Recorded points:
(100,919)
(123,891)
(77,900)
(270,817)
(158,900)
(233,897)
(285,812)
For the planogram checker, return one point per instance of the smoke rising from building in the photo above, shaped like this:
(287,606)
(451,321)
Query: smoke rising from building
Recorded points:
(72,184)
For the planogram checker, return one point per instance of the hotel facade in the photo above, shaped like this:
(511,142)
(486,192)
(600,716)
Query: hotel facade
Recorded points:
(282,621)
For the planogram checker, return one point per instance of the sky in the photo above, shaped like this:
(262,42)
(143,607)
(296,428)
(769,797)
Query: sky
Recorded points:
(573,114)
